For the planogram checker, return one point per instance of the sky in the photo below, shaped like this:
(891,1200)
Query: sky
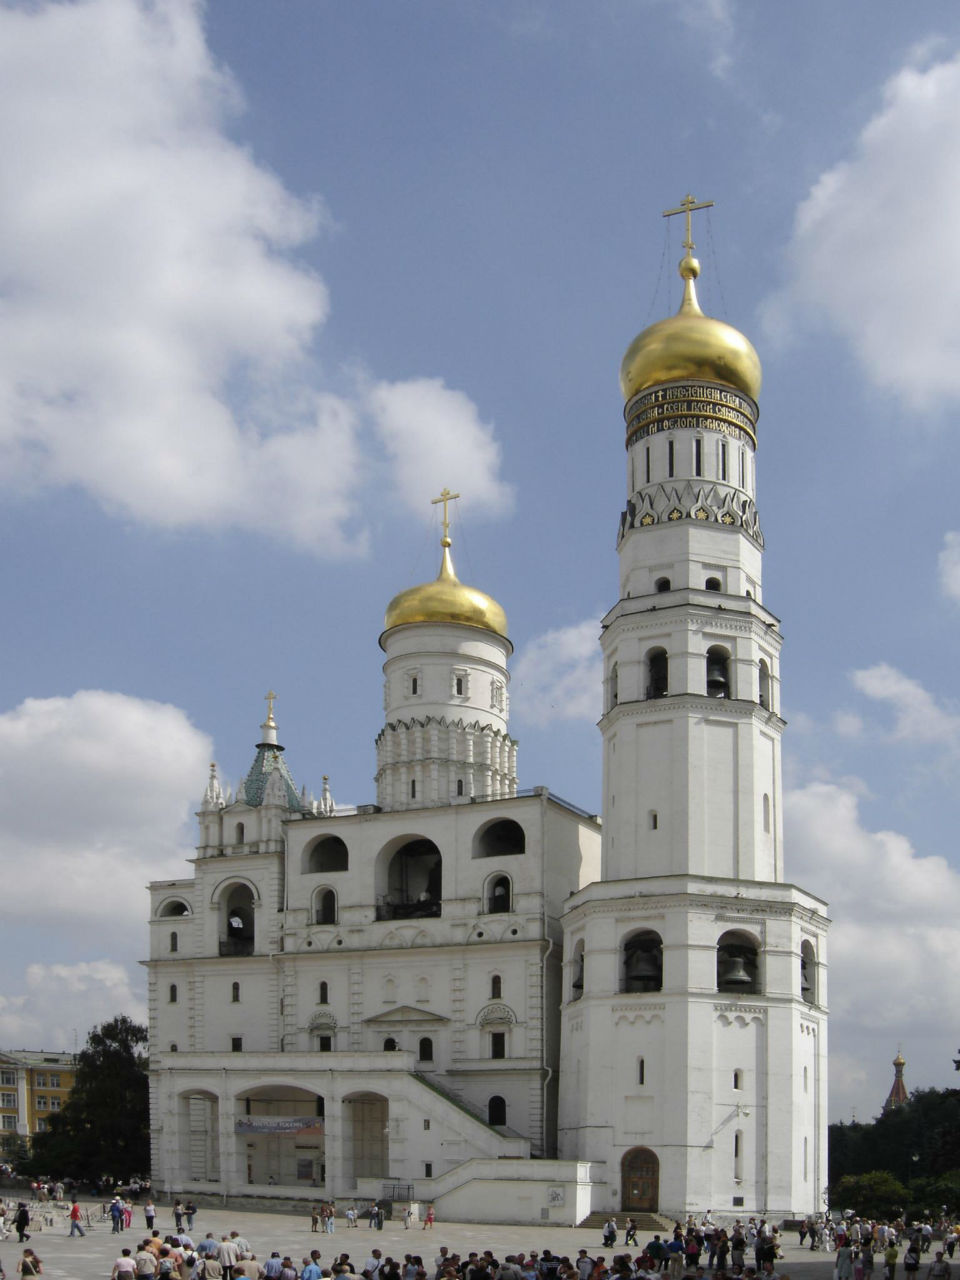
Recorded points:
(271,276)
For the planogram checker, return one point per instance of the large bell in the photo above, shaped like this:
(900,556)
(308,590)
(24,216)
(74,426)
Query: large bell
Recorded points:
(806,985)
(734,972)
(718,683)
(643,965)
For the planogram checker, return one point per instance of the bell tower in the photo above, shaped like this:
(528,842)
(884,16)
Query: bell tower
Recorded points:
(696,967)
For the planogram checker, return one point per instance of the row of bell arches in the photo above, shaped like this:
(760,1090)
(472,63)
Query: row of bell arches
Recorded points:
(723,678)
(501,837)
(739,965)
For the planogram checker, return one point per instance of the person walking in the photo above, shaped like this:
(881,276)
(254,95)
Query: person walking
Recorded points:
(21,1220)
(76,1217)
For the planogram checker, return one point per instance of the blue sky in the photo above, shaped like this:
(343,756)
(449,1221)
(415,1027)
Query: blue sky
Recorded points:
(272,275)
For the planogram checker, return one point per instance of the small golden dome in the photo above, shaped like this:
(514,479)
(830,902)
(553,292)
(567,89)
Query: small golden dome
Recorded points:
(446,599)
(690,345)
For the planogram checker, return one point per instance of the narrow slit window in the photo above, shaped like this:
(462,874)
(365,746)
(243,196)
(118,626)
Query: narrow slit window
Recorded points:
(648,463)
(669,457)
(723,459)
(698,457)
(413,789)
(641,1071)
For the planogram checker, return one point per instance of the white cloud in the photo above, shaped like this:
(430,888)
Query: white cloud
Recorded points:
(847,724)
(435,439)
(62,1002)
(893,947)
(156,330)
(557,676)
(949,565)
(874,249)
(917,717)
(95,802)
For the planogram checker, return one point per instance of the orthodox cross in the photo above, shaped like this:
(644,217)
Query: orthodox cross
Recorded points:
(688,205)
(270,699)
(445,497)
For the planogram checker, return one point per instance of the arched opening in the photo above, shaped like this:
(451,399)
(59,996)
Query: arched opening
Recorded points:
(766,813)
(235,993)
(738,1079)
(662,584)
(642,962)
(236,915)
(324,995)
(640,1180)
(576,983)
(409,880)
(738,1156)
(325,906)
(173,908)
(498,895)
(808,972)
(459,786)
(713,584)
(425,1049)
(497,1110)
(239,833)
(390,1045)
(366,1133)
(198,1135)
(500,839)
(613,687)
(329,853)
(174,941)
(658,673)
(738,964)
(280,1130)
(496,987)
(765,685)
(172,993)
(718,672)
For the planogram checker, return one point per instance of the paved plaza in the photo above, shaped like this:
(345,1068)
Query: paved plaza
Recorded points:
(92,1258)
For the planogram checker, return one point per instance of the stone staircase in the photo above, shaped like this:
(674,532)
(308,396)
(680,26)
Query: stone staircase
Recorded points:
(648,1224)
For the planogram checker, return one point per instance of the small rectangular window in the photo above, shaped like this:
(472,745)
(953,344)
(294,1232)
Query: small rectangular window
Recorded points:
(9,1122)
(648,463)
(426,1125)
(428,1169)
(236,1044)
(669,457)
(413,789)
(41,1126)
(723,459)
(8,1099)
(641,1071)
(325,1044)
(54,1082)
(498,1044)
(41,1102)
(741,469)
(414,684)
(55,1104)
(40,1081)
(698,457)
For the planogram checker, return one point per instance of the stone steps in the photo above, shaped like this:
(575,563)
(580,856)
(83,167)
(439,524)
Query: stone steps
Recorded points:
(647,1224)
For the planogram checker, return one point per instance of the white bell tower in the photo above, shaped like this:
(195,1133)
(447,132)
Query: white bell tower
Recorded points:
(694,1015)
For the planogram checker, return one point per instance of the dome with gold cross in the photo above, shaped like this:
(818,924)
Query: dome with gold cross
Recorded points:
(446,598)
(690,345)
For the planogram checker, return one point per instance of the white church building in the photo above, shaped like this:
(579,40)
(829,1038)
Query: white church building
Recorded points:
(486,998)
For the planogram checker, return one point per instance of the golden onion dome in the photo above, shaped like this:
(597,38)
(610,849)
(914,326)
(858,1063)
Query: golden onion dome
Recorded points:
(690,345)
(446,599)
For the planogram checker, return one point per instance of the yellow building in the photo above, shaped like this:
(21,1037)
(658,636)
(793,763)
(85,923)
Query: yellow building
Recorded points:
(34,1084)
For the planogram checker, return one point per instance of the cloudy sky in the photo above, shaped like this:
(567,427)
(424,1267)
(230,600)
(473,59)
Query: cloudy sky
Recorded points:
(273,275)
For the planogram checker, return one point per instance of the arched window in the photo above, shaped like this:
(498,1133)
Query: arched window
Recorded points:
(327,854)
(459,786)
(235,993)
(765,685)
(409,881)
(642,964)
(496,987)
(738,1079)
(658,669)
(174,941)
(174,908)
(654,820)
(738,1156)
(238,835)
(662,584)
(766,813)
(576,985)
(738,964)
(808,972)
(237,931)
(641,1071)
(498,895)
(413,788)
(714,584)
(324,994)
(173,993)
(174,1048)
(497,1110)
(326,906)
(390,1045)
(499,840)
(613,687)
(718,672)
(425,1049)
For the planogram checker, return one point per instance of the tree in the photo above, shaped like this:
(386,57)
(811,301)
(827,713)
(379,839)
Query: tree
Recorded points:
(104,1127)
(877,1194)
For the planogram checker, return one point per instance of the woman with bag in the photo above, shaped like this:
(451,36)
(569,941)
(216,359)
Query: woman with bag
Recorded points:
(30,1264)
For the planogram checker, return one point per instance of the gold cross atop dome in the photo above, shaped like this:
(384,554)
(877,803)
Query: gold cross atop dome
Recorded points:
(446,497)
(688,205)
(270,699)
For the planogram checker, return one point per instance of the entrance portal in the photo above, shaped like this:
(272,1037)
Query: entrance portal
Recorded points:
(640,1180)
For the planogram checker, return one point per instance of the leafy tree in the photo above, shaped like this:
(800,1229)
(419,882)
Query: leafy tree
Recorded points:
(104,1126)
(915,1140)
(877,1194)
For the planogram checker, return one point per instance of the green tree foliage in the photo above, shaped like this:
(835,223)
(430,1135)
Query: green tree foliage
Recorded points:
(871,1195)
(104,1128)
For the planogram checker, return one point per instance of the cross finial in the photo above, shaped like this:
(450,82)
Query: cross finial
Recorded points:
(688,205)
(445,497)
(270,699)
